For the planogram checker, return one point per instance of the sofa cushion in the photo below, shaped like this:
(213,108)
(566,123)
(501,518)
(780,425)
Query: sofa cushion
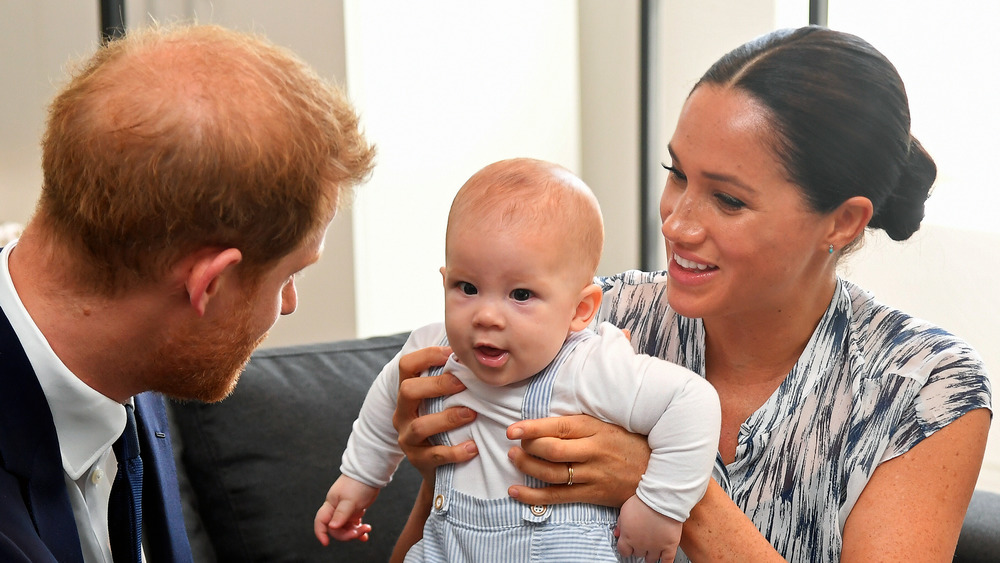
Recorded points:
(980,538)
(260,462)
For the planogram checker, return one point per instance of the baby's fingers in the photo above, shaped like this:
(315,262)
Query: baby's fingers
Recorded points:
(346,510)
(353,531)
(320,523)
(625,548)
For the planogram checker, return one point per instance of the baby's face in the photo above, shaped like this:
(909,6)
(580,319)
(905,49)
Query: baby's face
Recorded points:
(510,296)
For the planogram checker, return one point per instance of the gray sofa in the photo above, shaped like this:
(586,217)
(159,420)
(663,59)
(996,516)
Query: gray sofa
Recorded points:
(259,463)
(255,467)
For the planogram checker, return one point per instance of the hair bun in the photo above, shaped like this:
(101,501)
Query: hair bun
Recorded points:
(901,213)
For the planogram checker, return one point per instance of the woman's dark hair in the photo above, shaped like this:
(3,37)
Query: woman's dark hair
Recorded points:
(841,119)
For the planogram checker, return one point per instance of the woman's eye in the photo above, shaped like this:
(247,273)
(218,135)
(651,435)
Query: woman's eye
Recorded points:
(730,202)
(674,172)
(467,288)
(520,294)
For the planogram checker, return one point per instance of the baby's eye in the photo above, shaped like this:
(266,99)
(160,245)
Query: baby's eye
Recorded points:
(520,294)
(467,288)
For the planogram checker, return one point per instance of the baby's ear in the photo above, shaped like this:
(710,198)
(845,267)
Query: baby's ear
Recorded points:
(590,301)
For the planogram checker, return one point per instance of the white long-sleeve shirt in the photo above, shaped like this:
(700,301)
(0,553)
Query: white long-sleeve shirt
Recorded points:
(603,377)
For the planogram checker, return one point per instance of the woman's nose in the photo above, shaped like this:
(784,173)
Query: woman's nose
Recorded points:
(681,217)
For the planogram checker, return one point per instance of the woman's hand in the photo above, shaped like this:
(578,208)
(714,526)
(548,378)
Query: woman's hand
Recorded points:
(413,429)
(607,460)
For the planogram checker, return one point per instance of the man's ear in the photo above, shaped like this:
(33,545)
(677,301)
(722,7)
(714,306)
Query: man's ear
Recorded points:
(849,221)
(590,300)
(202,279)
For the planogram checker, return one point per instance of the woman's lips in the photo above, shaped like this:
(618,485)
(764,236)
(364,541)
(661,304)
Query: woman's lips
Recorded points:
(691,264)
(689,272)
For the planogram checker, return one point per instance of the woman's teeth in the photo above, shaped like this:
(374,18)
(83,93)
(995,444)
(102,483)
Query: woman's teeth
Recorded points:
(690,264)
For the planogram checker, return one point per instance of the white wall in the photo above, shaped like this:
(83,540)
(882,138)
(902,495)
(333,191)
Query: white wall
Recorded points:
(445,88)
(37,38)
(609,126)
(944,52)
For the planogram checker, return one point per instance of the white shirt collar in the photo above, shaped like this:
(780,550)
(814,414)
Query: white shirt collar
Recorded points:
(87,422)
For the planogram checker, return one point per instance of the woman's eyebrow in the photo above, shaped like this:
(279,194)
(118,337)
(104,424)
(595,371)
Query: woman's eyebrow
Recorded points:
(715,176)
(673,155)
(729,179)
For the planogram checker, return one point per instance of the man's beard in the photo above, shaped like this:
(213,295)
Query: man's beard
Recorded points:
(206,365)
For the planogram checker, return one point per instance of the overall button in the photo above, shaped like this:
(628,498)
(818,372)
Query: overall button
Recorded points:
(539,509)
(439,502)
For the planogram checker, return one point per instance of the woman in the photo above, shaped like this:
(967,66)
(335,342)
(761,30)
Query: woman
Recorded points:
(850,430)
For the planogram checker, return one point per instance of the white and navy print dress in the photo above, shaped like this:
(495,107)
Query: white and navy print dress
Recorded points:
(871,384)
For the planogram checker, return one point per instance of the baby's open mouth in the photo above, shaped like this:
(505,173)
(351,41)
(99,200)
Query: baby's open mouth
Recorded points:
(490,356)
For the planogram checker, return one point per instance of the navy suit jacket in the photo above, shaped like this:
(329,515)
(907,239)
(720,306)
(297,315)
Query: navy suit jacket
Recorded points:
(36,520)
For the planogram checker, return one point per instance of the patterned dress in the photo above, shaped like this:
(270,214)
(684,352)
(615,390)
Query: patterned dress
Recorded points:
(871,384)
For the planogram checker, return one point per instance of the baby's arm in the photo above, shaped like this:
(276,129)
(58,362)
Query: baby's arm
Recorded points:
(372,453)
(644,532)
(684,441)
(340,515)
(679,412)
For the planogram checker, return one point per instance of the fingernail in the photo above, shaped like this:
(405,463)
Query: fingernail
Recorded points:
(516,433)
(471,448)
(468,413)
(512,492)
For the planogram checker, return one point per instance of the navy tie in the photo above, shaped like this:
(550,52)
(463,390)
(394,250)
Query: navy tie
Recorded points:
(125,507)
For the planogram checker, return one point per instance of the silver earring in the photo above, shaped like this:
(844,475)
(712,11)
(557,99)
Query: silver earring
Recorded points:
(831,249)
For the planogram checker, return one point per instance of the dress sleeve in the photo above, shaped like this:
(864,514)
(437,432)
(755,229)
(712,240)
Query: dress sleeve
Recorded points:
(956,383)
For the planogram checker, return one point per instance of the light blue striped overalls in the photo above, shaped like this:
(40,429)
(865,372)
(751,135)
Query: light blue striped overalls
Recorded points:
(465,528)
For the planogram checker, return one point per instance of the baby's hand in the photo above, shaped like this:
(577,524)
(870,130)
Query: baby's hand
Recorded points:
(340,515)
(644,532)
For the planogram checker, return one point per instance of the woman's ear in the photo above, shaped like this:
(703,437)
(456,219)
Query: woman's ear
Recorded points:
(590,301)
(202,280)
(849,221)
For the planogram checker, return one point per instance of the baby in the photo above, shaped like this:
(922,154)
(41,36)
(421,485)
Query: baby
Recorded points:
(522,246)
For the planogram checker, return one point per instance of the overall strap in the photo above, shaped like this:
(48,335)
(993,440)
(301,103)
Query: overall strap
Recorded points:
(445,473)
(536,405)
